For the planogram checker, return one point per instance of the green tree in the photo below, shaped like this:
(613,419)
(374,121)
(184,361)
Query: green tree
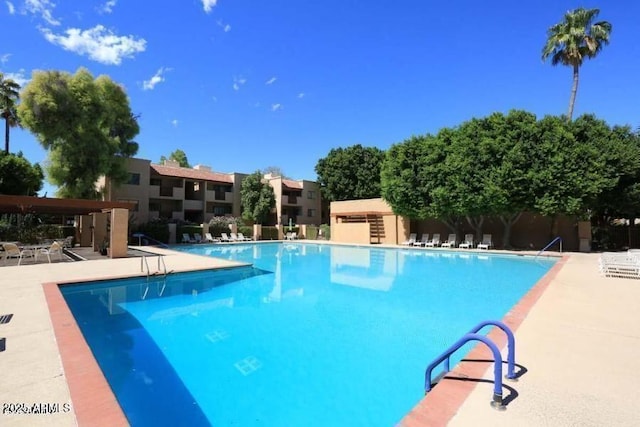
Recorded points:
(258,198)
(18,176)
(350,173)
(85,123)
(178,156)
(275,171)
(9,95)
(575,39)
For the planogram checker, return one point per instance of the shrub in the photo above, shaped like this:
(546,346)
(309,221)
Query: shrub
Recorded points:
(189,229)
(312,232)
(326,231)
(157,229)
(220,224)
(269,233)
(246,230)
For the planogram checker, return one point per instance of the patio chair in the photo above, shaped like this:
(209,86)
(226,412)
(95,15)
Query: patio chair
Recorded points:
(186,238)
(411,241)
(55,248)
(467,243)
(224,237)
(209,238)
(423,240)
(486,242)
(242,238)
(233,237)
(451,241)
(197,238)
(11,250)
(435,241)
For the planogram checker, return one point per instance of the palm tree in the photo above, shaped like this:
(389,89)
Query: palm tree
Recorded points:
(573,40)
(9,94)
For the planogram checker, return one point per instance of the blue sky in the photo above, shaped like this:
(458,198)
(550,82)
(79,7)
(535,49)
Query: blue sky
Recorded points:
(241,85)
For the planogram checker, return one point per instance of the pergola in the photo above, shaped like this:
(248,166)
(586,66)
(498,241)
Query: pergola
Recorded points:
(94,227)
(48,205)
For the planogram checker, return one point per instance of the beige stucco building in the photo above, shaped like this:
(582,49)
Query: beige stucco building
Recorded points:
(198,194)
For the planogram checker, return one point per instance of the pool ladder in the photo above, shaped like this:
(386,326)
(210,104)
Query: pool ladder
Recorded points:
(472,335)
(144,266)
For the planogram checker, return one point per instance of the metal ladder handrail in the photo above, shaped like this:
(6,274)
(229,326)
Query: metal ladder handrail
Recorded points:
(551,244)
(140,236)
(164,266)
(496,401)
(497,358)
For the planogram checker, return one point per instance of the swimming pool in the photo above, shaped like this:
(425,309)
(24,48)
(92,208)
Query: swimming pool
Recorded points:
(309,335)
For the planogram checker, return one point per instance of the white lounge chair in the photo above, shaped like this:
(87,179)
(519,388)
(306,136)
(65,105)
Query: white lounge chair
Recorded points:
(423,240)
(209,238)
(233,237)
(242,238)
(197,238)
(620,264)
(411,241)
(435,241)
(467,243)
(224,237)
(451,241)
(486,242)
(55,248)
(186,238)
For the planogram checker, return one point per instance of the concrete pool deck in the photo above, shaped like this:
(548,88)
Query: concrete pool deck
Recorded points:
(578,341)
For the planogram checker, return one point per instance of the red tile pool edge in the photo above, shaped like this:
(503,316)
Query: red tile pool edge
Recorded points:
(93,401)
(95,404)
(443,402)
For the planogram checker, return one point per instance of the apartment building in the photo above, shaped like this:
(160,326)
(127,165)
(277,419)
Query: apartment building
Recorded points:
(198,194)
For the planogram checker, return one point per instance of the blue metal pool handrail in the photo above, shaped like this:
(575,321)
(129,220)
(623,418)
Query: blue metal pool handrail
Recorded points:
(496,402)
(141,236)
(551,244)
(511,345)
(497,358)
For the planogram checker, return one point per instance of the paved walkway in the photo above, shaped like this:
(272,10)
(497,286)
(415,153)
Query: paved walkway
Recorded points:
(580,344)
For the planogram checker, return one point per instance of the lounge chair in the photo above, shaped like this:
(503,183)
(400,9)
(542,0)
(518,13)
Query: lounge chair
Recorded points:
(224,237)
(451,241)
(422,241)
(55,248)
(242,238)
(435,241)
(197,238)
(233,237)
(411,241)
(620,264)
(486,242)
(467,243)
(209,238)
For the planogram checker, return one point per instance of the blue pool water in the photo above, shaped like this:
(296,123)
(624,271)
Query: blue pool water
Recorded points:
(312,335)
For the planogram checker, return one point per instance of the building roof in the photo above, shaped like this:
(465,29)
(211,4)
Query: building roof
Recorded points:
(292,184)
(203,175)
(49,205)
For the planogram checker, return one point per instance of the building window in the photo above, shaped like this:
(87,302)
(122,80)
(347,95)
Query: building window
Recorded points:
(311,195)
(134,179)
(311,213)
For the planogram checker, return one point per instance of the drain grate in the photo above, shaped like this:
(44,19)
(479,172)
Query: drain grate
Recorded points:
(5,318)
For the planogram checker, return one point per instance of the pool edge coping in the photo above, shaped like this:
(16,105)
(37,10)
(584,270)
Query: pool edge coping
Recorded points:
(93,399)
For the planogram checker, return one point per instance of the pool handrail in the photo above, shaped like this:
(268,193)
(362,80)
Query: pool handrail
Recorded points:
(557,239)
(496,401)
(511,345)
(141,236)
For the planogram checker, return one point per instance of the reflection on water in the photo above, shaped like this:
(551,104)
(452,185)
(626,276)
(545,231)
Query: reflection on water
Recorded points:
(374,269)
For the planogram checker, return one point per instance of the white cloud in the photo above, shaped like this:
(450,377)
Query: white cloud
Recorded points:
(227,28)
(174,122)
(155,79)
(11,7)
(107,7)
(209,5)
(215,99)
(98,43)
(276,107)
(5,58)
(301,95)
(44,8)
(271,81)
(238,81)
(18,77)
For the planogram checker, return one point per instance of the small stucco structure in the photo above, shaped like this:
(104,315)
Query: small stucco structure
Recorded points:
(368,221)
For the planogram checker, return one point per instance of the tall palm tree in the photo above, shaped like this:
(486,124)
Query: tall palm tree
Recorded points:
(9,95)
(573,40)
